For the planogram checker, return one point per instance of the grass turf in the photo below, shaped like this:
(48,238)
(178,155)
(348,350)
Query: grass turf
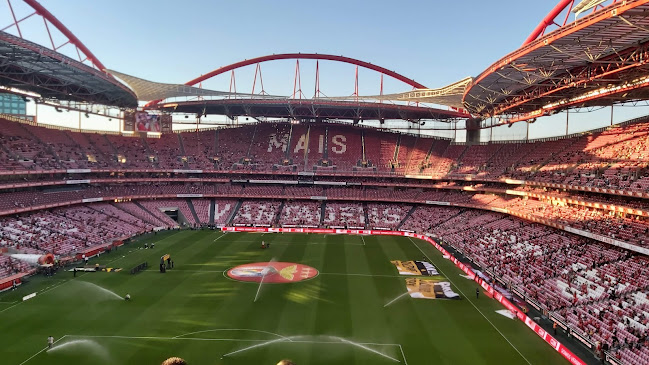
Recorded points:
(194,311)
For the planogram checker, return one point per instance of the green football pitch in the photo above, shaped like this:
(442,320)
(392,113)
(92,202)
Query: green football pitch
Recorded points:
(196,312)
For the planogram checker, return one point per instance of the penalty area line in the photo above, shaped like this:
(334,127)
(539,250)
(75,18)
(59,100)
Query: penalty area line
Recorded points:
(288,339)
(231,329)
(403,355)
(470,301)
(259,343)
(364,275)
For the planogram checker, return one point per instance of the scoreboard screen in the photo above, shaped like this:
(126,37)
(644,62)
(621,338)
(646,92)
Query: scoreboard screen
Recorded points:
(144,122)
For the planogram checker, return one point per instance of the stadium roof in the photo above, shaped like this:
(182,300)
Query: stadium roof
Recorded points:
(27,66)
(309,109)
(596,60)
(146,90)
(450,95)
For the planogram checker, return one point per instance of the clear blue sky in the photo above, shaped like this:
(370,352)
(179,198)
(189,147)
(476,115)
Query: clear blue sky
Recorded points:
(433,42)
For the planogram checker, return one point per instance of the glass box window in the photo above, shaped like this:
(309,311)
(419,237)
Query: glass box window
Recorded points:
(12,104)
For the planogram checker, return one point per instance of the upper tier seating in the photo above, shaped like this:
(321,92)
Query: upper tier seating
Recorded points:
(615,157)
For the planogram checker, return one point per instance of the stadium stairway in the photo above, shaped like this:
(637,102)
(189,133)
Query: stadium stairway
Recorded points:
(48,147)
(493,155)
(522,155)
(212,207)
(308,147)
(191,209)
(143,214)
(322,213)
(7,151)
(182,148)
(156,162)
(459,159)
(395,155)
(278,214)
(287,153)
(234,212)
(406,217)
(252,141)
(100,211)
(363,158)
(430,152)
(367,219)
(216,144)
(403,162)
(146,210)
(91,147)
(116,152)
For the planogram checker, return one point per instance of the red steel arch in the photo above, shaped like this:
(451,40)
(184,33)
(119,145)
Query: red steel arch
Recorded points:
(306,56)
(72,39)
(550,19)
(300,56)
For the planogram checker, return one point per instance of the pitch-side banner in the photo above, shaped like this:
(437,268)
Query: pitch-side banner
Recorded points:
(415,268)
(430,289)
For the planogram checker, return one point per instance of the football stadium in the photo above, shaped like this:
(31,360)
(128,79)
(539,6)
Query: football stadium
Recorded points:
(308,207)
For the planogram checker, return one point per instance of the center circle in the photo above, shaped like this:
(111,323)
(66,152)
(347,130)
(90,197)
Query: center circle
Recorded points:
(272,272)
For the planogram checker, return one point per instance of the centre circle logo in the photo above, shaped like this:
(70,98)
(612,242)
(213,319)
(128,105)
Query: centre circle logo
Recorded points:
(272,272)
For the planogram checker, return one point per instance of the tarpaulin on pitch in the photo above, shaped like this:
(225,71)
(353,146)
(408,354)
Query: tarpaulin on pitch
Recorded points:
(417,268)
(430,289)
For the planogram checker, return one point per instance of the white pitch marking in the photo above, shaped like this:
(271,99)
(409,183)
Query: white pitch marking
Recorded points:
(320,273)
(367,349)
(253,346)
(363,238)
(38,353)
(291,339)
(367,275)
(474,306)
(261,343)
(263,276)
(219,237)
(404,355)
(231,329)
(196,271)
